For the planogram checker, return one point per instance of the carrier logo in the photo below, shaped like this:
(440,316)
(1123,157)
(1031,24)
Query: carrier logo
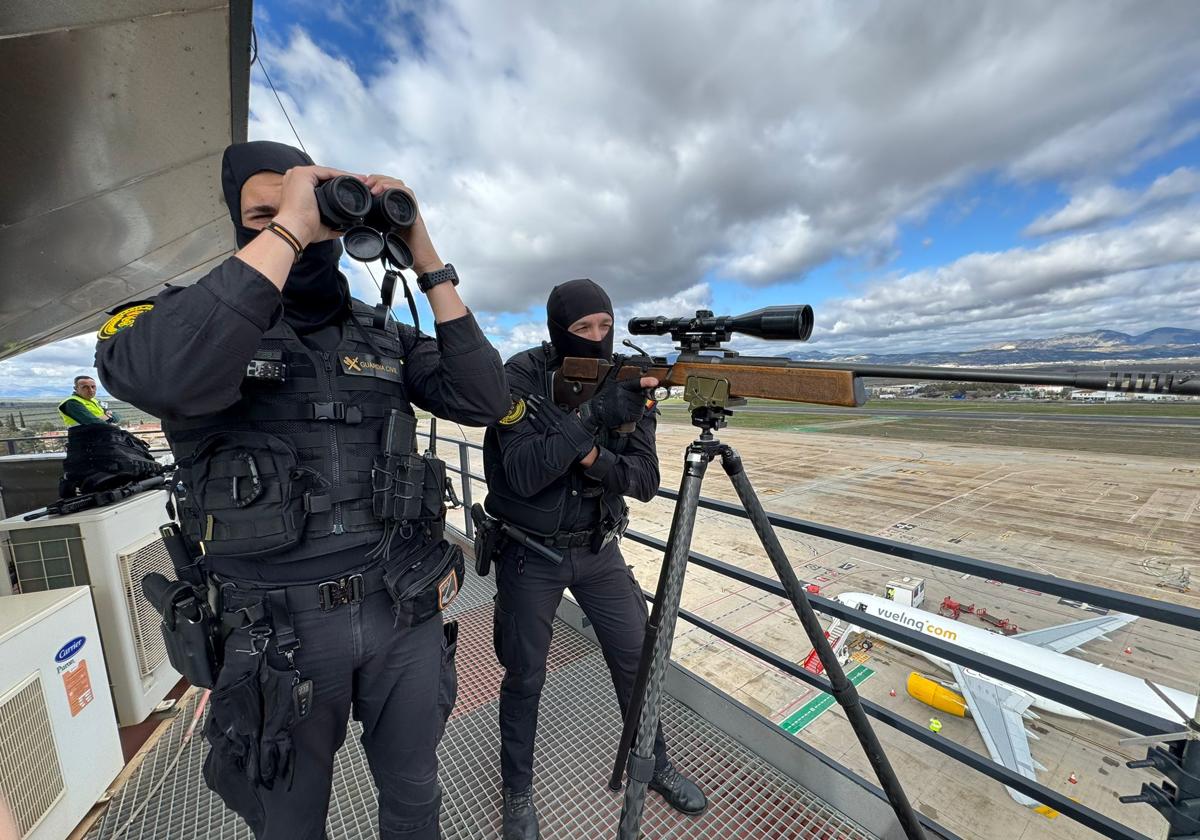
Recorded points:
(362,365)
(917,624)
(69,649)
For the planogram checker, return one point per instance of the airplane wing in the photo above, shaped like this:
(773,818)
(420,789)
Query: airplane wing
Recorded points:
(1065,637)
(997,712)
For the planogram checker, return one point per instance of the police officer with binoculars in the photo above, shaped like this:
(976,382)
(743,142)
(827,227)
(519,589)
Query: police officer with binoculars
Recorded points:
(302,497)
(558,467)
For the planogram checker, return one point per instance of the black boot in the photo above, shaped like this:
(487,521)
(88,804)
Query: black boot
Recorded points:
(520,817)
(681,793)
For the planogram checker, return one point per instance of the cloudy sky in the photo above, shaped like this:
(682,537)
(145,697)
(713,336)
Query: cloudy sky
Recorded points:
(926,175)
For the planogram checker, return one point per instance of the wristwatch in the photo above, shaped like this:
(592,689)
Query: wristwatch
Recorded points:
(432,278)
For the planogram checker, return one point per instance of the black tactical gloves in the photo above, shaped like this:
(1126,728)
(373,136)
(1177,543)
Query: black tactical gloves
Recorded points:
(616,404)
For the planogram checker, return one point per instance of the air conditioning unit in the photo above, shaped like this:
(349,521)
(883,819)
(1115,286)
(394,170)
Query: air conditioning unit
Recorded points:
(59,748)
(109,549)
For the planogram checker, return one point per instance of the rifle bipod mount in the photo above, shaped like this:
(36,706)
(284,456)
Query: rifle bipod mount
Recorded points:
(709,402)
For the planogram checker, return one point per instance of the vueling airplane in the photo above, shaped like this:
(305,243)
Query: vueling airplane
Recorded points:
(999,709)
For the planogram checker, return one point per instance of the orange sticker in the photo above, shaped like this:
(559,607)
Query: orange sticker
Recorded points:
(79,687)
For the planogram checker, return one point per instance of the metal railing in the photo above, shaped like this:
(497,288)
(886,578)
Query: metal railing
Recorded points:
(1102,708)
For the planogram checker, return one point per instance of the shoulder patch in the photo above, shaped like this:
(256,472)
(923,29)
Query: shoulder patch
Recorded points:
(514,414)
(123,319)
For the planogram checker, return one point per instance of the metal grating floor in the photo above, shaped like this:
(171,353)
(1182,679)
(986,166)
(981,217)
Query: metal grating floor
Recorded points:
(579,728)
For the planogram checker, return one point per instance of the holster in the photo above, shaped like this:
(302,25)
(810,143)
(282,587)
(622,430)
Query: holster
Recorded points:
(487,539)
(425,583)
(613,530)
(189,628)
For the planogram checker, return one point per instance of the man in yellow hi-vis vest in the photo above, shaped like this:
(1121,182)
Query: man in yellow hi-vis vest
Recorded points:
(82,407)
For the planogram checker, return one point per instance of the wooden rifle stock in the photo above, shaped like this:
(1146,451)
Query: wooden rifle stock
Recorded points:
(748,376)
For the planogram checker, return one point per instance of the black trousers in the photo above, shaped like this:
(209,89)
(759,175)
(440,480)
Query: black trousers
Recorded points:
(400,683)
(529,590)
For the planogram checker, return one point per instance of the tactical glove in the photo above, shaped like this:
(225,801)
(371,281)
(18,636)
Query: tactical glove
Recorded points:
(617,403)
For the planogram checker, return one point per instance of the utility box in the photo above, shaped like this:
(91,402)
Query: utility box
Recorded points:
(908,591)
(110,549)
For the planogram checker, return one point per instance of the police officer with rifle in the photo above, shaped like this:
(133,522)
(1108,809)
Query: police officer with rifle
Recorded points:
(312,526)
(558,467)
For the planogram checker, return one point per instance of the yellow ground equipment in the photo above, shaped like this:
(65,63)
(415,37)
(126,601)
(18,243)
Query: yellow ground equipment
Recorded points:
(936,695)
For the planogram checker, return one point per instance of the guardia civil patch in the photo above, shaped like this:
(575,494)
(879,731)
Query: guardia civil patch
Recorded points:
(361,364)
(514,414)
(123,319)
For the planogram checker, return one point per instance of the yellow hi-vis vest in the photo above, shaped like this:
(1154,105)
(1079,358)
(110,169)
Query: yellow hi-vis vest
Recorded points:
(93,407)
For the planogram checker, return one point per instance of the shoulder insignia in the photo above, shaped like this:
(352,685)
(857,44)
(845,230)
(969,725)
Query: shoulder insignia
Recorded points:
(123,319)
(514,414)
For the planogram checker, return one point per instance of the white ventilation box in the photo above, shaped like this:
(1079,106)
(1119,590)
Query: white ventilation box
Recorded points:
(109,549)
(59,748)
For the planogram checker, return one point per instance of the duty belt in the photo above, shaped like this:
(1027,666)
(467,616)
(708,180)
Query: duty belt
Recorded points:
(325,596)
(574,539)
(579,539)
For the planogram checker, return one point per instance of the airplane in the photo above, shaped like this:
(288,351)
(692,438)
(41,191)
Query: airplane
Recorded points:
(999,709)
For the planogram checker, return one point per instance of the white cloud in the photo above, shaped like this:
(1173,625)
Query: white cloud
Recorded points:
(646,146)
(651,146)
(49,371)
(1105,202)
(1135,277)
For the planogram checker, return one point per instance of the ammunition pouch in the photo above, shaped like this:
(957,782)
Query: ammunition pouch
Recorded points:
(246,495)
(189,628)
(407,488)
(425,583)
(487,540)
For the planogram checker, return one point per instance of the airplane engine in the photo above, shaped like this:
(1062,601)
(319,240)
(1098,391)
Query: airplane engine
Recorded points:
(936,695)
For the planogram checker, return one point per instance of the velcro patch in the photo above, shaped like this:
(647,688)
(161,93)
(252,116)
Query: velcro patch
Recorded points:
(123,319)
(514,414)
(362,364)
(447,590)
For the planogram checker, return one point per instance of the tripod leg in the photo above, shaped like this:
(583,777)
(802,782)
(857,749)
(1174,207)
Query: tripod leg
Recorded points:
(637,694)
(843,690)
(666,608)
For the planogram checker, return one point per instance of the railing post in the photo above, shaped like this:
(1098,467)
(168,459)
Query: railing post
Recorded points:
(464,464)
(11,445)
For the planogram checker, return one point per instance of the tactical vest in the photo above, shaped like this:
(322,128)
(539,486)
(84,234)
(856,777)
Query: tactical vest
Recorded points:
(285,473)
(556,507)
(93,407)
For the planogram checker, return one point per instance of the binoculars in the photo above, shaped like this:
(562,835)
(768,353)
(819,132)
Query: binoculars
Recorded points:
(370,223)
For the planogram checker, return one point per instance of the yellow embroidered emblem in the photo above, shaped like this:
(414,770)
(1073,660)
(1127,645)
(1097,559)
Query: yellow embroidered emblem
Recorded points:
(122,320)
(351,363)
(514,414)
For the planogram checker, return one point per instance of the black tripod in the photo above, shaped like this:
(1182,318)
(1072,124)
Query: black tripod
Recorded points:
(709,399)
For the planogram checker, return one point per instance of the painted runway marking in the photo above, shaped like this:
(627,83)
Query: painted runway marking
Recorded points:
(816,707)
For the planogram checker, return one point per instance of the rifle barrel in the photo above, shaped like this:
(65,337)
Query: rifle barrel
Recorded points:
(1143,382)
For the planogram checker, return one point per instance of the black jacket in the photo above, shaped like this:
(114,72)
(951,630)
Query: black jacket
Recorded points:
(534,479)
(185,360)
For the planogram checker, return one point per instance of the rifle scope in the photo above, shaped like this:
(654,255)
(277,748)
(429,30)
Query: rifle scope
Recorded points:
(776,323)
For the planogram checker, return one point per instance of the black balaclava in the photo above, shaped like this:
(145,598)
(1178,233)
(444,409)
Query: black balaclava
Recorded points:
(316,293)
(568,303)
